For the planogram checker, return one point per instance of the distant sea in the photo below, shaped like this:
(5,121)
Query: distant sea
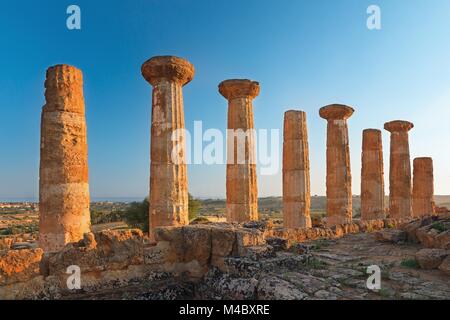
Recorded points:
(93,199)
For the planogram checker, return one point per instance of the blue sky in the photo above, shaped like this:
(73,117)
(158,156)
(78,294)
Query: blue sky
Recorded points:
(305,54)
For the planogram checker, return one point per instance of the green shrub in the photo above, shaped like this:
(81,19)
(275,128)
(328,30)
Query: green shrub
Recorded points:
(439,226)
(410,263)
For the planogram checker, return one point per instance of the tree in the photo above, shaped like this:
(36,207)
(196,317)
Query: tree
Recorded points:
(137,214)
(193,207)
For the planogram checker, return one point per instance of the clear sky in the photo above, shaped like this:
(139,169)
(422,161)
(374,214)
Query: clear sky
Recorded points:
(305,54)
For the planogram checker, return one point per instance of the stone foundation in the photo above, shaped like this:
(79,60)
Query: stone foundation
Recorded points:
(110,260)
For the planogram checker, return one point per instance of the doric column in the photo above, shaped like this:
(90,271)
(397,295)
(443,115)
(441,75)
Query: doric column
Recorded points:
(372,179)
(242,191)
(339,178)
(296,181)
(168,171)
(399,170)
(63,176)
(423,188)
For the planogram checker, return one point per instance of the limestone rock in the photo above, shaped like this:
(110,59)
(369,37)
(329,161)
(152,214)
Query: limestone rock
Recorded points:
(339,179)
(430,258)
(242,189)
(445,265)
(64,214)
(19,265)
(391,235)
(273,288)
(168,173)
(400,170)
(113,250)
(296,176)
(372,176)
(423,187)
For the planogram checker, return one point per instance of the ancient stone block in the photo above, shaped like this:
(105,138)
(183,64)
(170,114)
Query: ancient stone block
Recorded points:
(399,170)
(242,192)
(19,265)
(296,177)
(339,179)
(372,179)
(168,172)
(63,176)
(423,187)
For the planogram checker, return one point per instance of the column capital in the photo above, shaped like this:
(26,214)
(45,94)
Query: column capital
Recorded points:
(167,67)
(239,88)
(423,161)
(336,112)
(398,126)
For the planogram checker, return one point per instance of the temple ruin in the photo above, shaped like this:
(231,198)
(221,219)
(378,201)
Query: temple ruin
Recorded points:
(296,178)
(63,174)
(168,171)
(399,169)
(242,189)
(243,258)
(423,187)
(339,178)
(372,176)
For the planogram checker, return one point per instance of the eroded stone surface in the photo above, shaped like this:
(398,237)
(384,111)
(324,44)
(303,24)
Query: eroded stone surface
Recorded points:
(241,185)
(372,176)
(423,187)
(296,177)
(168,172)
(63,175)
(339,179)
(399,170)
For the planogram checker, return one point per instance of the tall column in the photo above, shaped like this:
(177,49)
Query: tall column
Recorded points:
(63,175)
(296,179)
(399,170)
(242,191)
(168,171)
(339,178)
(423,188)
(372,176)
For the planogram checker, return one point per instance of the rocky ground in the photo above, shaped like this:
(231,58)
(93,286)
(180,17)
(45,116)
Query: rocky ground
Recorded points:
(321,269)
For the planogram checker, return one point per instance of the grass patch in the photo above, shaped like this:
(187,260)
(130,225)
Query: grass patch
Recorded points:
(439,226)
(31,228)
(410,263)
(314,263)
(319,244)
(385,293)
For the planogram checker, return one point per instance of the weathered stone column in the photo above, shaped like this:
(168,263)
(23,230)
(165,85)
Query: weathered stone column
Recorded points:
(242,190)
(339,178)
(399,170)
(168,173)
(296,179)
(63,176)
(423,187)
(372,176)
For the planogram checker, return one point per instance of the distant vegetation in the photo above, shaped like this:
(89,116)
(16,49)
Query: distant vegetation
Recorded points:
(20,229)
(136,214)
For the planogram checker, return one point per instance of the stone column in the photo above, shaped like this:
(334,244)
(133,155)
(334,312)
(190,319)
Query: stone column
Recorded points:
(242,191)
(399,170)
(423,188)
(63,175)
(168,171)
(372,176)
(296,179)
(339,178)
